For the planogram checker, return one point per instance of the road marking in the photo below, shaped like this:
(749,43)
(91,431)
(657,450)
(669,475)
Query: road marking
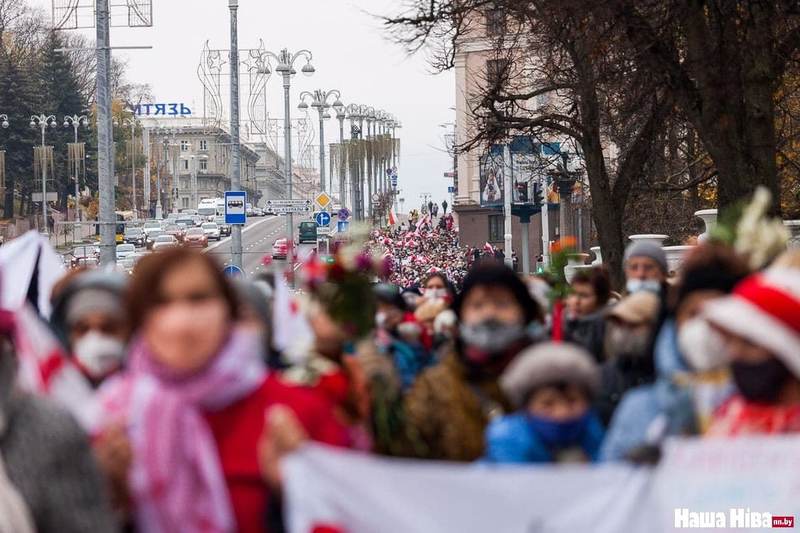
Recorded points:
(244,230)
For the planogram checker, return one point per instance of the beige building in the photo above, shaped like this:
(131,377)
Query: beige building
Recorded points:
(202,155)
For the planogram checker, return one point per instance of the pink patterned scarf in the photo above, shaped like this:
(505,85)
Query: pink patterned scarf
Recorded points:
(176,480)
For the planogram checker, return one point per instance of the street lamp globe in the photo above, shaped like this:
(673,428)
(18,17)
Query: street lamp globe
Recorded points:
(308,69)
(302,105)
(338,105)
(5,124)
(33,124)
(326,115)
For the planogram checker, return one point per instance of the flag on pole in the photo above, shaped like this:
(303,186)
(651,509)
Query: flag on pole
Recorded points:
(392,217)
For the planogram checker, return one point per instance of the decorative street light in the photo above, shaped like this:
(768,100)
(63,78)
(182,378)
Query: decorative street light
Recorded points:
(76,122)
(132,123)
(285,67)
(320,102)
(43,122)
(4,123)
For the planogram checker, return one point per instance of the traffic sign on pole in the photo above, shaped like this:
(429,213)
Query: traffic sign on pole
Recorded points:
(323,219)
(323,200)
(235,207)
(233,271)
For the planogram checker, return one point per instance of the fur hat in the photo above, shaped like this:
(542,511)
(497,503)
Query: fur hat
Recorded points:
(547,363)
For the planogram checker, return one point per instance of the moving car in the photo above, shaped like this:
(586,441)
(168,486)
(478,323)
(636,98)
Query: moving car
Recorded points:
(280,249)
(186,222)
(84,256)
(151,226)
(211,230)
(165,241)
(308,232)
(152,236)
(175,230)
(224,229)
(134,236)
(125,250)
(195,237)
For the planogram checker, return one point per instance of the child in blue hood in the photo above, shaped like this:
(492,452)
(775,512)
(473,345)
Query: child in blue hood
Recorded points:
(552,386)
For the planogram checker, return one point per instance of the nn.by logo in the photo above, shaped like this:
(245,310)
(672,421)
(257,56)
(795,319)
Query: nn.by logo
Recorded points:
(737,518)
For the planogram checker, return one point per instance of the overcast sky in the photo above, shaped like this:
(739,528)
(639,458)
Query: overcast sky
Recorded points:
(351,53)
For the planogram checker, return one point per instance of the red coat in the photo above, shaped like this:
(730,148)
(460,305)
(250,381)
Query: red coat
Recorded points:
(237,430)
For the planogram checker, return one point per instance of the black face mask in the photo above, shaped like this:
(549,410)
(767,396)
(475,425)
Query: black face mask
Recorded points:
(760,382)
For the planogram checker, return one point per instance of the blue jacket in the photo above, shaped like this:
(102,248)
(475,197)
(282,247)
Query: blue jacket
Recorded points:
(650,412)
(510,439)
(409,360)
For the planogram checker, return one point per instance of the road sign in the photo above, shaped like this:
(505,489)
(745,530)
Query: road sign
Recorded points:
(286,203)
(235,207)
(323,219)
(376,197)
(451,189)
(342,226)
(291,209)
(36,197)
(233,271)
(344,213)
(323,200)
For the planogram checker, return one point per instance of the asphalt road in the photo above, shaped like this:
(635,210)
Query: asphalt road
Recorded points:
(258,237)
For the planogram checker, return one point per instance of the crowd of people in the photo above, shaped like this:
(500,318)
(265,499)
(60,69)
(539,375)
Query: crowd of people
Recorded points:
(195,400)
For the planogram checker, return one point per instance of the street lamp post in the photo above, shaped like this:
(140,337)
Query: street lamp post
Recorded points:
(285,67)
(319,101)
(76,122)
(42,122)
(132,123)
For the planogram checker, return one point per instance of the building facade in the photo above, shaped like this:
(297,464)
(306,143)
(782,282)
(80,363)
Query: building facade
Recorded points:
(194,164)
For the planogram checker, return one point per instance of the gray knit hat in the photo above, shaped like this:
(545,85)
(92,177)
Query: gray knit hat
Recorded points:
(647,249)
(546,363)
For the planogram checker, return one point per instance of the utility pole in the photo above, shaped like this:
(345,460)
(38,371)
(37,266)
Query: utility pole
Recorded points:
(236,156)
(105,158)
(545,226)
(507,194)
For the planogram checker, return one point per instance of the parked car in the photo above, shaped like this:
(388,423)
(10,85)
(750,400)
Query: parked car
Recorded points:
(280,249)
(224,229)
(186,222)
(165,241)
(86,255)
(152,225)
(134,236)
(258,212)
(125,250)
(195,237)
(152,236)
(211,230)
(175,230)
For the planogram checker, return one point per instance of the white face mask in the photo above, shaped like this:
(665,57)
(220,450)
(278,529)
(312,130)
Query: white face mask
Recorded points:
(433,294)
(99,354)
(636,285)
(380,319)
(701,345)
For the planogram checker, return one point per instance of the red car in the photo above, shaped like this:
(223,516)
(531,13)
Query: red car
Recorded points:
(195,237)
(280,250)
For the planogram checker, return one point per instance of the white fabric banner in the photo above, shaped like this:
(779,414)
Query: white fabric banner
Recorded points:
(17,263)
(330,490)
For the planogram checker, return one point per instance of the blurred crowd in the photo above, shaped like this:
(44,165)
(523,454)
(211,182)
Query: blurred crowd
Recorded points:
(199,385)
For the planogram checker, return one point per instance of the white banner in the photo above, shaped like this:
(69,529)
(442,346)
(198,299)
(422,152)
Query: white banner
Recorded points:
(734,483)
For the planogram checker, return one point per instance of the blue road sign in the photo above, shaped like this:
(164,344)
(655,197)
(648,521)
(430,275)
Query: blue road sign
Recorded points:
(323,219)
(342,226)
(344,213)
(235,207)
(451,189)
(233,271)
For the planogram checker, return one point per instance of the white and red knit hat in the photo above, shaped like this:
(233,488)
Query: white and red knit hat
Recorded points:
(764,309)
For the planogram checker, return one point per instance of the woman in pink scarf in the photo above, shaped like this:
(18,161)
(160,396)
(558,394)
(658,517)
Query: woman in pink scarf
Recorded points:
(193,401)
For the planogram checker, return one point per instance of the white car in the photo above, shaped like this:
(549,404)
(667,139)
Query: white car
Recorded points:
(125,250)
(150,226)
(164,241)
(211,230)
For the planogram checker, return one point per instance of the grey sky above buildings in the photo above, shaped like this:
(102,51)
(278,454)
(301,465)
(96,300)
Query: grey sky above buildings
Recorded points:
(351,53)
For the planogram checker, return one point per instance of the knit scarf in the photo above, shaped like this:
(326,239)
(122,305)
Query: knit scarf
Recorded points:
(176,480)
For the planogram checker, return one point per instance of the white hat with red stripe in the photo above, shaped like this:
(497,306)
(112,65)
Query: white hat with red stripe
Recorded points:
(764,309)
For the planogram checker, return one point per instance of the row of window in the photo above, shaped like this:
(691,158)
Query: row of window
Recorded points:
(202,165)
(187,145)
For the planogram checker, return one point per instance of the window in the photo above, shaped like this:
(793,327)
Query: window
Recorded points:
(185,163)
(185,145)
(185,203)
(496,72)
(495,228)
(204,164)
(495,21)
(204,145)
